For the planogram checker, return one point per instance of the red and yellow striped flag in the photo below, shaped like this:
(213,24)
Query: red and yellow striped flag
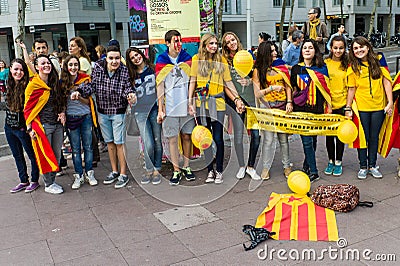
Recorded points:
(296,217)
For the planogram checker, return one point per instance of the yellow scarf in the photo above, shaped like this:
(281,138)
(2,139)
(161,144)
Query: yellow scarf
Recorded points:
(313,28)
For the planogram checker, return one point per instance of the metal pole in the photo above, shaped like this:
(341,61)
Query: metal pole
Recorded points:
(248,27)
(111,12)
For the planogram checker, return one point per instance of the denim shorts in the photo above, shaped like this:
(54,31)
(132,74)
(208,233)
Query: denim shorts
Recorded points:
(113,128)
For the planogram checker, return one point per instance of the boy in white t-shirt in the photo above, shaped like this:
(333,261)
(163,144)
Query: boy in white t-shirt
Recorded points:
(172,70)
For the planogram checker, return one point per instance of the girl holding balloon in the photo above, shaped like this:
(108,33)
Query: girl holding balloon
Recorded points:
(210,76)
(370,96)
(336,63)
(230,46)
(272,88)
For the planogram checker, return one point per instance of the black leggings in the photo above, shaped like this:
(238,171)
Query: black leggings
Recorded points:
(330,142)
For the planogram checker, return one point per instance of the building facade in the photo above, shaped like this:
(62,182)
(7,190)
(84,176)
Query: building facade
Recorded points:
(57,21)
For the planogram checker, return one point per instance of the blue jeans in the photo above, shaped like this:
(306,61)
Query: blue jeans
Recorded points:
(19,140)
(238,127)
(82,134)
(372,123)
(309,147)
(150,132)
(217,130)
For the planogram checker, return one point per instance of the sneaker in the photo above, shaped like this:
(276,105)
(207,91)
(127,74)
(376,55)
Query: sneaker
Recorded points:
(265,174)
(338,170)
(111,178)
(252,173)
(61,173)
(33,186)
(218,178)
(307,171)
(54,189)
(122,181)
(241,173)
(78,181)
(314,177)
(156,179)
(90,178)
(19,187)
(329,169)
(175,179)
(287,171)
(362,174)
(146,178)
(374,171)
(187,172)
(210,177)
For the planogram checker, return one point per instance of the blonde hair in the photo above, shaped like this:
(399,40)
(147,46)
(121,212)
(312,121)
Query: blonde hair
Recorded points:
(205,65)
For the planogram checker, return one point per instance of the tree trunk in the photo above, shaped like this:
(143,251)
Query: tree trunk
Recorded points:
(291,12)
(220,11)
(390,23)
(371,22)
(341,12)
(282,21)
(21,23)
(323,3)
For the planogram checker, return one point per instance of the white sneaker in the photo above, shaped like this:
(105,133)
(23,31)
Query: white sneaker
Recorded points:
(210,177)
(218,178)
(252,173)
(90,178)
(54,189)
(78,181)
(241,173)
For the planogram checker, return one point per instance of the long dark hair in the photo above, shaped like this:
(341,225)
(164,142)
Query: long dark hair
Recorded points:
(344,60)
(66,80)
(132,68)
(59,96)
(374,67)
(16,89)
(264,61)
(317,59)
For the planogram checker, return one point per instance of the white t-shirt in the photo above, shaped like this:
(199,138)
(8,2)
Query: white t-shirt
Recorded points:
(176,91)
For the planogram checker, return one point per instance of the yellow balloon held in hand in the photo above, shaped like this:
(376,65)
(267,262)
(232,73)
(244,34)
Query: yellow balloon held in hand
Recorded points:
(243,63)
(347,132)
(201,137)
(299,182)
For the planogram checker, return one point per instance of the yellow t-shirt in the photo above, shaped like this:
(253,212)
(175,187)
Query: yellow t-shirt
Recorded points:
(85,65)
(337,78)
(216,85)
(274,96)
(370,93)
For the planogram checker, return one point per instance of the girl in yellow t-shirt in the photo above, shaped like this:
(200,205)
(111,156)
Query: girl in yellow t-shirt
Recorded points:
(371,90)
(210,74)
(272,88)
(336,63)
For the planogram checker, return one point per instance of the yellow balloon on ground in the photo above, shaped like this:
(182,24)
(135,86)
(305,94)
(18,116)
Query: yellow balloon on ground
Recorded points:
(299,182)
(201,137)
(243,63)
(347,132)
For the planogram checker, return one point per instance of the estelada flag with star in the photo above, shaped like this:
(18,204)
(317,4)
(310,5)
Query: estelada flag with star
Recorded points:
(296,217)
(164,65)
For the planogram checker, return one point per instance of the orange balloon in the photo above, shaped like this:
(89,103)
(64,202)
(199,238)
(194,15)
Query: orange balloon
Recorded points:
(299,182)
(243,63)
(201,137)
(347,132)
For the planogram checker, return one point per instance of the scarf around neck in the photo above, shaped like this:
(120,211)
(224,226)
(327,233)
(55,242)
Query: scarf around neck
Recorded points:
(313,28)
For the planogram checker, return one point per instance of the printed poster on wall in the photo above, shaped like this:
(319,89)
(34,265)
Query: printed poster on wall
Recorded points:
(138,23)
(165,15)
(207,16)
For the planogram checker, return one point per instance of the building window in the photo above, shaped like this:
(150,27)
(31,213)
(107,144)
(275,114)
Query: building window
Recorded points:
(3,6)
(28,5)
(278,3)
(361,2)
(50,5)
(302,3)
(94,4)
(336,2)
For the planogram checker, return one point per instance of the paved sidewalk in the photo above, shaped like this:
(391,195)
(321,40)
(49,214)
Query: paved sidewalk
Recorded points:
(136,225)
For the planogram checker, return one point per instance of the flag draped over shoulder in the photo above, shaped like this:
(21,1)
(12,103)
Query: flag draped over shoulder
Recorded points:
(296,217)
(84,78)
(164,64)
(37,94)
(320,81)
(280,67)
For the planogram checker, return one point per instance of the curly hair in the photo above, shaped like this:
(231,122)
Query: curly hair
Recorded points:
(225,50)
(374,69)
(16,88)
(264,61)
(344,59)
(132,68)
(317,59)
(205,65)
(59,95)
